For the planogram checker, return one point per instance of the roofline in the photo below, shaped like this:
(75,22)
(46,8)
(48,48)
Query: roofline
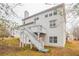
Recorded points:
(44,11)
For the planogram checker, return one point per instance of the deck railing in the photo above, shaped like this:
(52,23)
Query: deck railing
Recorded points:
(38,28)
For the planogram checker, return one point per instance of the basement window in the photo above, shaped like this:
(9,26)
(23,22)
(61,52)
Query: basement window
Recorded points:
(50,39)
(53,39)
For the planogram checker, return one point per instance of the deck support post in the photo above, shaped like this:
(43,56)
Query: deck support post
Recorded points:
(38,34)
(21,44)
(31,46)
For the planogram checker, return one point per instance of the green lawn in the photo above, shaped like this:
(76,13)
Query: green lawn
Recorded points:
(10,47)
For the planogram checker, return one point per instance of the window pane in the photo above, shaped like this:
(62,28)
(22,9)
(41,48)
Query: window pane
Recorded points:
(37,18)
(55,12)
(52,24)
(55,39)
(50,14)
(50,39)
(46,15)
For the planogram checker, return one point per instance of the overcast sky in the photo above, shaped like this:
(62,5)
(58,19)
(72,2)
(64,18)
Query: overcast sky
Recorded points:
(32,8)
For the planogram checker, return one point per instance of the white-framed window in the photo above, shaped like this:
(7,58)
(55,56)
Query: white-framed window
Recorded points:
(23,22)
(50,14)
(52,23)
(55,12)
(53,39)
(46,15)
(37,18)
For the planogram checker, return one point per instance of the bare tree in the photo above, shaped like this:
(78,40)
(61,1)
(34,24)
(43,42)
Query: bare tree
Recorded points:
(7,11)
(72,13)
(3,29)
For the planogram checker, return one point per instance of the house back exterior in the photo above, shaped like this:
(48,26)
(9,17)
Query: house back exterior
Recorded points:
(49,25)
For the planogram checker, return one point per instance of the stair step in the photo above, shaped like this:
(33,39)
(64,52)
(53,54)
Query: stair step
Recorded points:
(44,50)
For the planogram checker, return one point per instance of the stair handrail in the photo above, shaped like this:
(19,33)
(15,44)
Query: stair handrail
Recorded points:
(31,34)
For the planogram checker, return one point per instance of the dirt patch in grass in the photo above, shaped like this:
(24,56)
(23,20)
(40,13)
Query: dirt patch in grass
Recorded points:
(5,50)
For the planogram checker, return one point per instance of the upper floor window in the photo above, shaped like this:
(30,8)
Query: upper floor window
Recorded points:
(55,12)
(34,20)
(52,23)
(37,18)
(46,15)
(24,22)
(50,14)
